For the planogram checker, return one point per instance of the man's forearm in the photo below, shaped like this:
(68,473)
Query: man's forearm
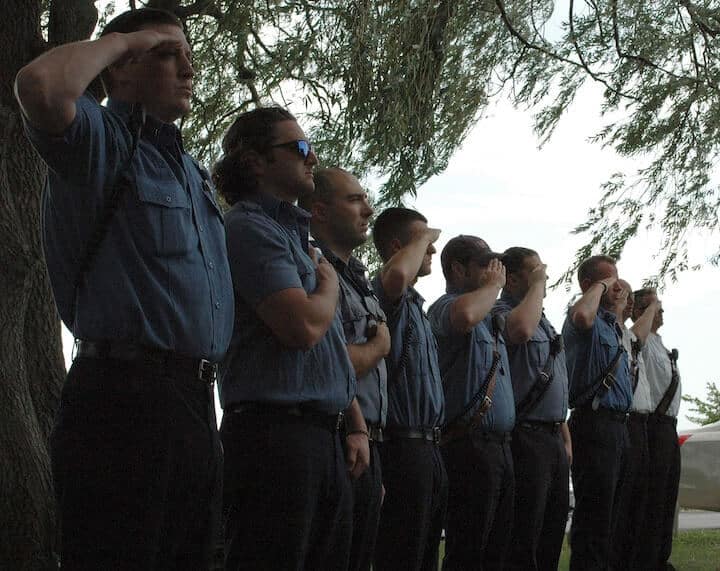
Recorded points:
(471,308)
(365,356)
(401,269)
(57,78)
(522,321)
(584,310)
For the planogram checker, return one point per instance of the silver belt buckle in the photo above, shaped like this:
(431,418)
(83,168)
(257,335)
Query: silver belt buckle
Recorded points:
(207,371)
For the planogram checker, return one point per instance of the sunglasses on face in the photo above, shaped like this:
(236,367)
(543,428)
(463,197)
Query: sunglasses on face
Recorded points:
(301,146)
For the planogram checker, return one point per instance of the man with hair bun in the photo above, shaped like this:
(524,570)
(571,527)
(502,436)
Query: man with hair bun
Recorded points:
(136,255)
(600,396)
(287,381)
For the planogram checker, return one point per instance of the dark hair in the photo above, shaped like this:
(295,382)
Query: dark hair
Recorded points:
(393,223)
(463,249)
(588,267)
(251,131)
(324,187)
(514,258)
(132,21)
(639,295)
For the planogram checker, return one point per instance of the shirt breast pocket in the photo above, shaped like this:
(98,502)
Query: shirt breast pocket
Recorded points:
(538,348)
(163,218)
(354,322)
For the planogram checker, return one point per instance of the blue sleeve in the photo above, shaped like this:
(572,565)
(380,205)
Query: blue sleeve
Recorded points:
(261,259)
(90,152)
(388,307)
(439,316)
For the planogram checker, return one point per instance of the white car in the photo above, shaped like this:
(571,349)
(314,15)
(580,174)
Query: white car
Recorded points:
(700,471)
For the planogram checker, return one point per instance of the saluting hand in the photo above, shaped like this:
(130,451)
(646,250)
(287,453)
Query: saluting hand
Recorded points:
(538,275)
(494,274)
(143,41)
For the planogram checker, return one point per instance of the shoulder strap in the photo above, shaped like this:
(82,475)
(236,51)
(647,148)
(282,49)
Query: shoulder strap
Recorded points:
(669,395)
(487,387)
(544,378)
(635,347)
(605,381)
(112,202)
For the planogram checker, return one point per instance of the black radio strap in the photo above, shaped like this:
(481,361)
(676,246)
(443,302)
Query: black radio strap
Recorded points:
(635,347)
(669,395)
(487,387)
(605,381)
(123,182)
(545,376)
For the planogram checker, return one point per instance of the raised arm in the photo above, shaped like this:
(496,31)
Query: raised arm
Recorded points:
(643,325)
(472,307)
(48,87)
(584,310)
(522,321)
(400,271)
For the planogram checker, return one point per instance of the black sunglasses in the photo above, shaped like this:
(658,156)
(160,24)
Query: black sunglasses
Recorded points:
(302,147)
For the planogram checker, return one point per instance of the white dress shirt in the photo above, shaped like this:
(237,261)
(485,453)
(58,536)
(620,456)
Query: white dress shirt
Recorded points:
(659,373)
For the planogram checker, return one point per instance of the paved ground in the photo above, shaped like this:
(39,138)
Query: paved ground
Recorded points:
(689,519)
(696,519)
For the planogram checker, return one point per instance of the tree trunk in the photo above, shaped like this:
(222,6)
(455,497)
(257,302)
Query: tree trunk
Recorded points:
(31,357)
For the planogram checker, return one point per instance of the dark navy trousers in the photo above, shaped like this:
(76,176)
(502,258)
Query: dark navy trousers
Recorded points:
(287,495)
(480,501)
(136,463)
(599,454)
(413,511)
(541,499)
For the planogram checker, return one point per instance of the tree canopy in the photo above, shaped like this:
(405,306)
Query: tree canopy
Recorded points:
(392,88)
(705,411)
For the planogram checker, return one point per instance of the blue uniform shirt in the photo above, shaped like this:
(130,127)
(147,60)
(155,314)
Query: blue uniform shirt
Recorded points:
(161,276)
(526,362)
(358,304)
(589,352)
(415,396)
(465,359)
(267,246)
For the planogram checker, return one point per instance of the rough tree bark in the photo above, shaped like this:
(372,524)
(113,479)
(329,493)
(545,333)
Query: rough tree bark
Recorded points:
(31,357)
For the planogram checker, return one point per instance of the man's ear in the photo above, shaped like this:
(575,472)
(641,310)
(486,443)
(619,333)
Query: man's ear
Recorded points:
(319,211)
(585,284)
(395,246)
(457,270)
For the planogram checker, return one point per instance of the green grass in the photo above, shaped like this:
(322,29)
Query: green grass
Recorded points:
(692,551)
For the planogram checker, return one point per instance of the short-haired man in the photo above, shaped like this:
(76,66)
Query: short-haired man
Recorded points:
(339,224)
(136,254)
(664,452)
(600,395)
(630,519)
(413,473)
(479,407)
(287,378)
(541,446)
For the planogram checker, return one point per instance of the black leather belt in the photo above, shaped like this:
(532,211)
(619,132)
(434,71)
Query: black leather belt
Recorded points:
(608,413)
(662,419)
(544,426)
(413,433)
(641,417)
(333,422)
(169,363)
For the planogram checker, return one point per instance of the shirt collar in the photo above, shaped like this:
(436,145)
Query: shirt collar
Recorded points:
(607,316)
(353,267)
(154,130)
(508,298)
